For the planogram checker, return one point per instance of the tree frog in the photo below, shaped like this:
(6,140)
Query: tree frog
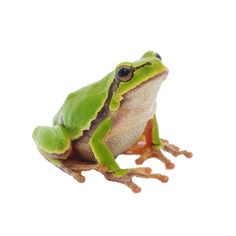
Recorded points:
(113,116)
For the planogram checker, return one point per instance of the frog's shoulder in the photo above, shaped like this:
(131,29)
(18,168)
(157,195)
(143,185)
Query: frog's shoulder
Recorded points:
(81,107)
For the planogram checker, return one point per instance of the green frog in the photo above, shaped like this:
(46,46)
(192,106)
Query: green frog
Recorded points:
(113,116)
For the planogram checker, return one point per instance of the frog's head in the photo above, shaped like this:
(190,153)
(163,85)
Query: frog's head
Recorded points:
(136,75)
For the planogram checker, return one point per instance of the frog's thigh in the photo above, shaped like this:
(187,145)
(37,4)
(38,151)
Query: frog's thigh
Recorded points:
(52,142)
(100,150)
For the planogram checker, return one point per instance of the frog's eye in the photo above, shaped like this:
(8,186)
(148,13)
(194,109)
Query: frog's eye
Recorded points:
(158,56)
(124,73)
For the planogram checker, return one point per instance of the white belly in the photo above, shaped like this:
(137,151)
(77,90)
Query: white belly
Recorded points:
(128,124)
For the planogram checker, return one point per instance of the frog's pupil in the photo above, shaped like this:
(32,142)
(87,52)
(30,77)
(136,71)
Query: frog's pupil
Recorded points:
(123,72)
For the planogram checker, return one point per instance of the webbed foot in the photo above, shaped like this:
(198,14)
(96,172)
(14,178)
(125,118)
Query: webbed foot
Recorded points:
(124,176)
(147,150)
(154,153)
(174,150)
(75,169)
(143,172)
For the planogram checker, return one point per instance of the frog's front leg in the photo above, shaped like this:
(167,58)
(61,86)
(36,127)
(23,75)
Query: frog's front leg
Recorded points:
(108,166)
(150,145)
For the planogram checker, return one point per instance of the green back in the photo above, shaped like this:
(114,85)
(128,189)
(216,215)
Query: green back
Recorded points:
(81,107)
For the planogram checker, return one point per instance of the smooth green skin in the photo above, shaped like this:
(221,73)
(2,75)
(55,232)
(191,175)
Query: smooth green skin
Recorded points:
(100,149)
(81,108)
(155,133)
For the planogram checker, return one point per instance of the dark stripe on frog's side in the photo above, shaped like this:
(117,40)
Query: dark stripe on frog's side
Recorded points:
(102,113)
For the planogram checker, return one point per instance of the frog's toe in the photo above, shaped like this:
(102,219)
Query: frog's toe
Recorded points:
(75,169)
(174,150)
(127,179)
(78,176)
(147,154)
(155,152)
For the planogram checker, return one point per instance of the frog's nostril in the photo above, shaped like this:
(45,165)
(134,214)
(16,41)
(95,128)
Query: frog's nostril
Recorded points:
(158,56)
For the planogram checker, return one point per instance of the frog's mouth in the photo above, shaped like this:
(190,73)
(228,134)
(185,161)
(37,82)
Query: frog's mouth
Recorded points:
(161,76)
(157,78)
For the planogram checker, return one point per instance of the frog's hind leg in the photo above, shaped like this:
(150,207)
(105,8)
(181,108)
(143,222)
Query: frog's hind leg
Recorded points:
(150,145)
(52,142)
(55,145)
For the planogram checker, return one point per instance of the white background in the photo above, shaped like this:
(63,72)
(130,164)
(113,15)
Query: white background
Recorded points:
(50,48)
